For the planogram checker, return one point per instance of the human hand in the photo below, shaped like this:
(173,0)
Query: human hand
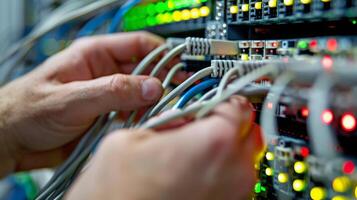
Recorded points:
(212,158)
(43,113)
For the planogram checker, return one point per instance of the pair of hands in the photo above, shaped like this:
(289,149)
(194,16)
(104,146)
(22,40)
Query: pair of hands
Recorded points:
(44,114)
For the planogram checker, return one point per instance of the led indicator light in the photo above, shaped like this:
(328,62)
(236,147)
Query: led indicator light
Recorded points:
(318,193)
(195,13)
(299,185)
(304,112)
(233,9)
(348,122)
(204,11)
(288,2)
(272,3)
(302,44)
(305,152)
(332,44)
(314,44)
(341,184)
(258,5)
(283,178)
(300,167)
(348,167)
(177,16)
(327,116)
(269,156)
(269,171)
(186,14)
(245,7)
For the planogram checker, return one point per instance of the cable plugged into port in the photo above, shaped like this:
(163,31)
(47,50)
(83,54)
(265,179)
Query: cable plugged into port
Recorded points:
(202,46)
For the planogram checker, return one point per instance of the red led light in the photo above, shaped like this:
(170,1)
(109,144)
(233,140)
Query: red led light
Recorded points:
(348,122)
(304,112)
(270,105)
(327,117)
(313,44)
(332,44)
(327,62)
(274,44)
(348,167)
(304,151)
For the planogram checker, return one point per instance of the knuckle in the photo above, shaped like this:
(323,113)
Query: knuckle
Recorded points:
(118,83)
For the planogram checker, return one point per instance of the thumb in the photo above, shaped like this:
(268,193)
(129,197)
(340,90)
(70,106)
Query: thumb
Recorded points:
(116,92)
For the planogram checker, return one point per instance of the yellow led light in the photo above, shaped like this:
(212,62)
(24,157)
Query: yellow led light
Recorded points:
(305,1)
(318,193)
(272,3)
(186,15)
(283,178)
(245,57)
(355,192)
(195,13)
(288,2)
(233,9)
(258,5)
(300,167)
(171,4)
(325,1)
(204,11)
(339,198)
(269,156)
(341,184)
(269,171)
(177,16)
(245,7)
(299,185)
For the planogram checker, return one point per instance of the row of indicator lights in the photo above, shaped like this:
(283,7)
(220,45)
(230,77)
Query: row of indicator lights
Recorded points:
(271,4)
(165,18)
(348,121)
(319,193)
(161,7)
(331,44)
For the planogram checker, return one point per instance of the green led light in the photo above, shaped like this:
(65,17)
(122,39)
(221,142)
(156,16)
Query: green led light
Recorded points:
(303,44)
(258,188)
(160,7)
(150,9)
(354,22)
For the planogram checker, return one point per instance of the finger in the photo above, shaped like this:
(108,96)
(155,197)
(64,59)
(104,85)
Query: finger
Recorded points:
(216,136)
(98,56)
(116,92)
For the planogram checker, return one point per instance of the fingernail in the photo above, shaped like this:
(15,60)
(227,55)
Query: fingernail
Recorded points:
(151,89)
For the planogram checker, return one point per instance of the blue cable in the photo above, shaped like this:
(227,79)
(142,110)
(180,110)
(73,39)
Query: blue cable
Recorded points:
(120,14)
(194,91)
(93,24)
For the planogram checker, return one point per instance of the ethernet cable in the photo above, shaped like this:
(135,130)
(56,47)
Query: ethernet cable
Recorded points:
(149,59)
(120,14)
(233,88)
(92,25)
(171,74)
(271,103)
(197,89)
(239,84)
(317,103)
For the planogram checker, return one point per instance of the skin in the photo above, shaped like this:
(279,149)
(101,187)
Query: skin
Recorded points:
(44,114)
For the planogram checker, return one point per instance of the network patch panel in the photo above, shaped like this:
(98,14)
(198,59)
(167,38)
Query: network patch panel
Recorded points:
(289,11)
